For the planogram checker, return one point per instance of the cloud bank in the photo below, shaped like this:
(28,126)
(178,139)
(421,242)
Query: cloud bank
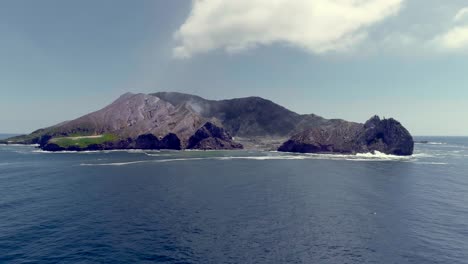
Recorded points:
(317,26)
(456,38)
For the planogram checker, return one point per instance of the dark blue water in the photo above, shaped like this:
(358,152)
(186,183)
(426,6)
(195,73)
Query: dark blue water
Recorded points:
(234,207)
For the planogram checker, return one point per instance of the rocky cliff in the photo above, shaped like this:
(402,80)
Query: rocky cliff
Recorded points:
(146,141)
(211,136)
(386,136)
(246,117)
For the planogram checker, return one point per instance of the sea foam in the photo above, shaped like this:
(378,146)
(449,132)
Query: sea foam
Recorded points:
(377,156)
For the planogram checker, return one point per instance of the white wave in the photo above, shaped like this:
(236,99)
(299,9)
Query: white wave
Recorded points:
(432,163)
(377,156)
(137,151)
(20,145)
(157,154)
(270,155)
(140,161)
(129,150)
(57,152)
(422,155)
(264,158)
(200,150)
(193,159)
(431,143)
(180,159)
(114,163)
(380,155)
(359,156)
(206,158)
(68,151)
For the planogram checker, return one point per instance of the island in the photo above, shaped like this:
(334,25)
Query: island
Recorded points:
(178,121)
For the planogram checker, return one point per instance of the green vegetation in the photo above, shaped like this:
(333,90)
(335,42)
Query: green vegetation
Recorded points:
(83,141)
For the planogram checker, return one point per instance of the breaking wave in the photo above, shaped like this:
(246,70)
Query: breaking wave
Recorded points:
(20,145)
(428,156)
(140,161)
(157,154)
(431,143)
(377,156)
(432,163)
(114,163)
(138,151)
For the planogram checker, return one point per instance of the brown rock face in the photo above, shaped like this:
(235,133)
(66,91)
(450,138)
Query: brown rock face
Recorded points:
(133,115)
(387,136)
(130,116)
(211,136)
(337,138)
(245,117)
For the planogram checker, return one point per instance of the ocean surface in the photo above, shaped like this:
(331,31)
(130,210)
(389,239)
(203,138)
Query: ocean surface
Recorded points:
(234,206)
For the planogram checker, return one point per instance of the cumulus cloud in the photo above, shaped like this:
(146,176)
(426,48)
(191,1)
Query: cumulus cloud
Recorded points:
(317,26)
(456,38)
(461,15)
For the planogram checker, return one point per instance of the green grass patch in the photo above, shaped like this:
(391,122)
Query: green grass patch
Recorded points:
(83,141)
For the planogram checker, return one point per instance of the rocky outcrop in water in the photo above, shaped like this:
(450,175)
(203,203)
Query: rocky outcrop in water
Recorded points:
(170,141)
(387,136)
(210,136)
(150,141)
(146,141)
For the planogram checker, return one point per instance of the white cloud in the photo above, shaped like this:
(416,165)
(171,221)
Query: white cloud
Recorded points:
(461,15)
(456,38)
(317,26)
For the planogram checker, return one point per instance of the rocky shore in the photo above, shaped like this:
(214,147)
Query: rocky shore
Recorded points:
(387,136)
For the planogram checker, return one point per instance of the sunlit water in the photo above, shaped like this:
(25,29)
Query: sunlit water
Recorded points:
(234,206)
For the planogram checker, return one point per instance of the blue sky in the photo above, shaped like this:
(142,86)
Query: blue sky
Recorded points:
(405,59)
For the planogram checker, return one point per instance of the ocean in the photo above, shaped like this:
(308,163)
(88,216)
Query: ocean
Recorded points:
(235,206)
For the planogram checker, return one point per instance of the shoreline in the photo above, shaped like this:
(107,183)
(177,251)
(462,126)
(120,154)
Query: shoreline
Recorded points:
(136,150)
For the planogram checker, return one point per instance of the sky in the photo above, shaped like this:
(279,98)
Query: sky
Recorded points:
(349,59)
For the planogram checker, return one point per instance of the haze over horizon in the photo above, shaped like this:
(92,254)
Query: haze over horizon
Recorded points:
(337,59)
